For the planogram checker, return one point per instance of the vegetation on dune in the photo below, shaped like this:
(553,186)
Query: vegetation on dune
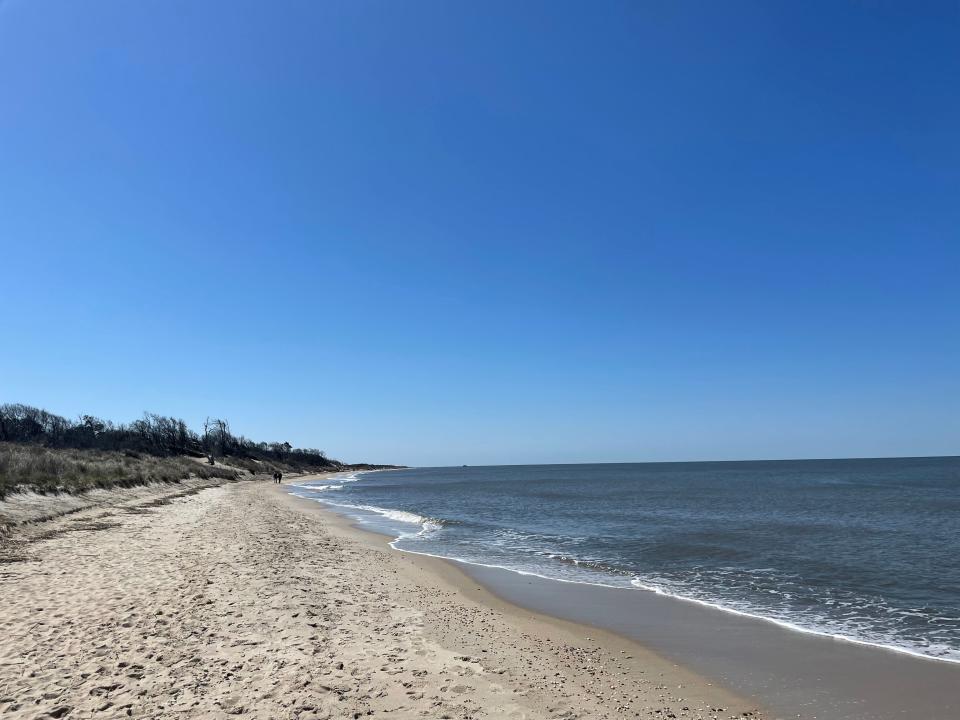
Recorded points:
(44,470)
(46,453)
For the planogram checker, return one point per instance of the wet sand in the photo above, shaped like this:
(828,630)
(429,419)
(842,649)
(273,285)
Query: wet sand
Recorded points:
(793,674)
(243,600)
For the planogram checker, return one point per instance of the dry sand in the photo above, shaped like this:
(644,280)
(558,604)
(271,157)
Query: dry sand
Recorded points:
(243,600)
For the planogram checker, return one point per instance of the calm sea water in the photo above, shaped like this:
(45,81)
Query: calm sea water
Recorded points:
(864,549)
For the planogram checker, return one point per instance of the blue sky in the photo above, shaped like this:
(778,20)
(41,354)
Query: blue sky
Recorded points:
(497,232)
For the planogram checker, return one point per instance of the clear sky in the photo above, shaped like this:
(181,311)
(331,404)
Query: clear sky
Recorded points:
(489,232)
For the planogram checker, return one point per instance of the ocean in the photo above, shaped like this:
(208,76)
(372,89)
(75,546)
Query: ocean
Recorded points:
(866,550)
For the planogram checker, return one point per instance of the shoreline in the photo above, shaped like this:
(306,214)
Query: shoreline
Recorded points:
(790,670)
(455,577)
(827,634)
(242,599)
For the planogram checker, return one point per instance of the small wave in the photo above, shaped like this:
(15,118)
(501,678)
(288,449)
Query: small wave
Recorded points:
(595,565)
(334,482)
(398,515)
(426,524)
(943,653)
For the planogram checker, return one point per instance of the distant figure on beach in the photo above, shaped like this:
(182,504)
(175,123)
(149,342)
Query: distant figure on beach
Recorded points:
(278,476)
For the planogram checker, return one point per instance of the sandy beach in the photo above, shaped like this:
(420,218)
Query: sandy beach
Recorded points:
(463,360)
(243,600)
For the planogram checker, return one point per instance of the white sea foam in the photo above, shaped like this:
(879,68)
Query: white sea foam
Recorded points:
(948,654)
(339,479)
(402,516)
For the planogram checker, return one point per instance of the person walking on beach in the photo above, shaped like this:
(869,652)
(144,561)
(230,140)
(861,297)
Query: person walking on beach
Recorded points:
(278,476)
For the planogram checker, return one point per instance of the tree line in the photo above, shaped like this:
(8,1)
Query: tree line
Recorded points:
(152,434)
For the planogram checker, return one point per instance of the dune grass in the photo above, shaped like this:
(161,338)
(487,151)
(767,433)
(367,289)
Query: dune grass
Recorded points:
(43,470)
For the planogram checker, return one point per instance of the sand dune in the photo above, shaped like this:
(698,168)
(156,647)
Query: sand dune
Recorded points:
(241,600)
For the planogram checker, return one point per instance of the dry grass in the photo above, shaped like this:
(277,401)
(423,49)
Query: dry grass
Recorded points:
(45,471)
(25,507)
